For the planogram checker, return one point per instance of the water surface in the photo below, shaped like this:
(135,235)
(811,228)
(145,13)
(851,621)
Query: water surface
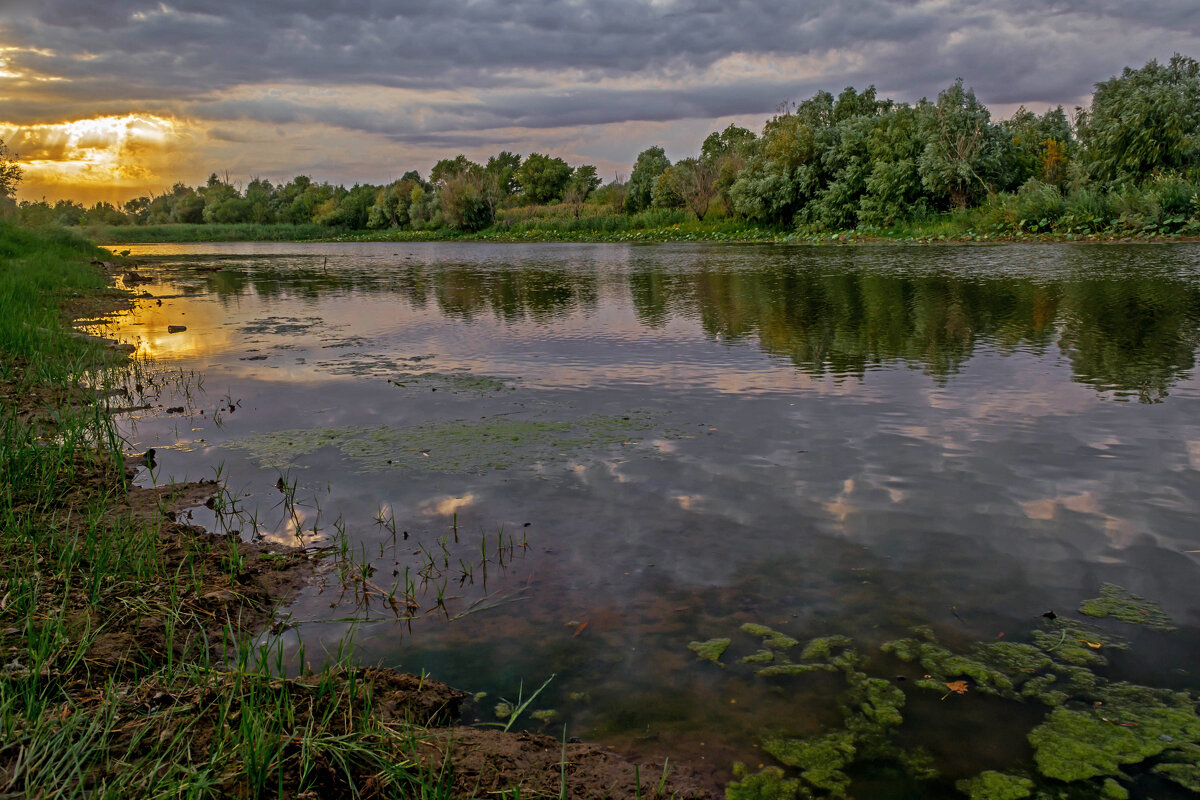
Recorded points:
(600,453)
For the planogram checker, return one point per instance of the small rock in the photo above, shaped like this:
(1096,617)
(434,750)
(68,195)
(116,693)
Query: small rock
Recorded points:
(176,328)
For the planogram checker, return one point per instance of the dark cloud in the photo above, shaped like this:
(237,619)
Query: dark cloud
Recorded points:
(539,65)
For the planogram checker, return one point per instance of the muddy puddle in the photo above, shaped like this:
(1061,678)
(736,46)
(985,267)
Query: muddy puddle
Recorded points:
(577,460)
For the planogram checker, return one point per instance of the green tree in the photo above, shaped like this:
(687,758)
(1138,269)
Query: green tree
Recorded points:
(732,140)
(138,210)
(183,205)
(964,153)
(650,163)
(466,194)
(726,153)
(10,172)
(1144,120)
(1040,147)
(69,213)
(580,186)
(691,183)
(503,168)
(450,166)
(543,178)
(260,195)
(104,213)
(785,171)
(894,189)
(664,193)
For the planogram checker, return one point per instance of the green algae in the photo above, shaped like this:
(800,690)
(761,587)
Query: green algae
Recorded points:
(1122,605)
(824,647)
(992,785)
(503,710)
(776,670)
(760,657)
(1127,724)
(1071,641)
(454,382)
(455,446)
(1111,790)
(946,666)
(821,760)
(872,705)
(1056,688)
(544,716)
(768,784)
(1095,730)
(772,639)
(1182,766)
(711,650)
(1047,671)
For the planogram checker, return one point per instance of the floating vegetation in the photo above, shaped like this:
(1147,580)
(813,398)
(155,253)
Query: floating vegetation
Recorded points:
(711,650)
(456,382)
(761,657)
(1015,670)
(768,784)
(1121,604)
(821,760)
(792,669)
(1124,724)
(870,707)
(455,446)
(772,639)
(279,326)
(1097,738)
(992,785)
(544,716)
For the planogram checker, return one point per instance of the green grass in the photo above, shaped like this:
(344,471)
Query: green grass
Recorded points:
(244,232)
(118,678)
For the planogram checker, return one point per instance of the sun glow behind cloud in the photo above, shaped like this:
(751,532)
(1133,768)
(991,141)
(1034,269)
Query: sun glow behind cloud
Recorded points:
(97,156)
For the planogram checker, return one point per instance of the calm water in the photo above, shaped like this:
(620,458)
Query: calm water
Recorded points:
(639,447)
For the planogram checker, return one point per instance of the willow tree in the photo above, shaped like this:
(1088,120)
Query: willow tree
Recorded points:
(965,151)
(1143,121)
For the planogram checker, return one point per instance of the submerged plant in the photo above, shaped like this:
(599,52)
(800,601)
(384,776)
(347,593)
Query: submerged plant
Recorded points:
(1121,604)
(1095,732)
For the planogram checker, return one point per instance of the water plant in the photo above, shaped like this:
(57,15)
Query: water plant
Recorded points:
(1097,736)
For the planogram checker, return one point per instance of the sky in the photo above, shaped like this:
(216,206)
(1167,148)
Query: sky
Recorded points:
(109,99)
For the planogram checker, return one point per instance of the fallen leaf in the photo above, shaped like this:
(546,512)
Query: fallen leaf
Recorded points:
(579,630)
(958,687)
(1121,724)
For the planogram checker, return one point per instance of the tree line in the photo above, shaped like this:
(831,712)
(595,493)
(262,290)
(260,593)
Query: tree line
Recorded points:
(851,161)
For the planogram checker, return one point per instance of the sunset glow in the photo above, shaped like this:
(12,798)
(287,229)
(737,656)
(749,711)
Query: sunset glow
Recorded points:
(106,152)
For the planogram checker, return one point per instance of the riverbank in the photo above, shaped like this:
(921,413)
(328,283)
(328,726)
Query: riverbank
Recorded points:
(998,223)
(131,663)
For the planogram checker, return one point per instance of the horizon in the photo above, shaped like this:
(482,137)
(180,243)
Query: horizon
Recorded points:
(110,101)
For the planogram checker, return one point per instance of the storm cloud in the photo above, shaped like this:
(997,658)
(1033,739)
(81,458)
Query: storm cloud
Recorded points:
(471,72)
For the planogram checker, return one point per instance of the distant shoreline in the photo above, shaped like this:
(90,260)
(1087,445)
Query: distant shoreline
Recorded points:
(935,233)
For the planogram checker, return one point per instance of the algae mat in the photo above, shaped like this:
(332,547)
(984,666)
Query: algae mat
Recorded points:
(456,446)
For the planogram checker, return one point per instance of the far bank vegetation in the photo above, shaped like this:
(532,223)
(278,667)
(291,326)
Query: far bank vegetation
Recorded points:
(1128,164)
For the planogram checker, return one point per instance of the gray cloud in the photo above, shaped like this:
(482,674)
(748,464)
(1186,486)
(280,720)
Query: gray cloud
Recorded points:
(551,64)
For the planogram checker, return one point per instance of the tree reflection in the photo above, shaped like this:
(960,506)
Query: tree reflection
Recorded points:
(1121,327)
